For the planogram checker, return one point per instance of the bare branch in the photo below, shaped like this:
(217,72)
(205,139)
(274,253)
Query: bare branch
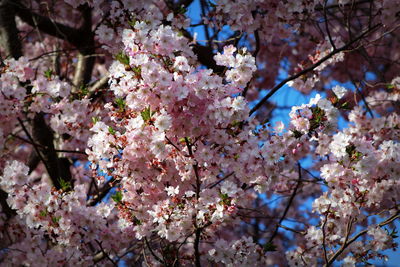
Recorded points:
(289,204)
(328,32)
(47,25)
(195,168)
(103,192)
(196,247)
(102,82)
(324,235)
(85,64)
(152,252)
(348,242)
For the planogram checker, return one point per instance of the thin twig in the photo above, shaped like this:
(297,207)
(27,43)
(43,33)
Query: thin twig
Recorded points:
(365,101)
(43,147)
(198,185)
(196,247)
(328,32)
(103,192)
(347,241)
(171,143)
(292,230)
(220,180)
(33,143)
(312,67)
(288,205)
(195,168)
(152,252)
(106,254)
(324,235)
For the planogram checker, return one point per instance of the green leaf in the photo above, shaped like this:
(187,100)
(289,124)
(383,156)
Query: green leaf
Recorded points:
(146,114)
(111,130)
(48,73)
(179,52)
(136,221)
(55,219)
(354,155)
(65,185)
(390,86)
(43,213)
(345,105)
(181,10)
(224,196)
(137,70)
(122,57)
(95,120)
(168,62)
(117,197)
(120,103)
(269,247)
(350,149)
(394,233)
(317,118)
(132,22)
(225,199)
(83,91)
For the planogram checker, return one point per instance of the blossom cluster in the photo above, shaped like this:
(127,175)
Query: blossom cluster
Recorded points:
(160,159)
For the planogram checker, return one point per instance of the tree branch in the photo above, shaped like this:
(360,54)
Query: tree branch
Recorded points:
(47,25)
(152,252)
(347,242)
(312,67)
(289,204)
(42,135)
(85,64)
(103,192)
(9,40)
(196,247)
(324,236)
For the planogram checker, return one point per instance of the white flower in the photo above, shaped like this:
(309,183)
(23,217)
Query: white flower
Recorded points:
(325,104)
(339,91)
(349,261)
(218,213)
(15,173)
(104,33)
(314,234)
(301,124)
(315,100)
(229,50)
(190,193)
(279,126)
(163,122)
(135,123)
(380,237)
(172,234)
(170,16)
(158,147)
(339,144)
(239,103)
(104,209)
(172,191)
(181,63)
(229,188)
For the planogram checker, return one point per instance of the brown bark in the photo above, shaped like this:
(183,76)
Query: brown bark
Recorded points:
(8,30)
